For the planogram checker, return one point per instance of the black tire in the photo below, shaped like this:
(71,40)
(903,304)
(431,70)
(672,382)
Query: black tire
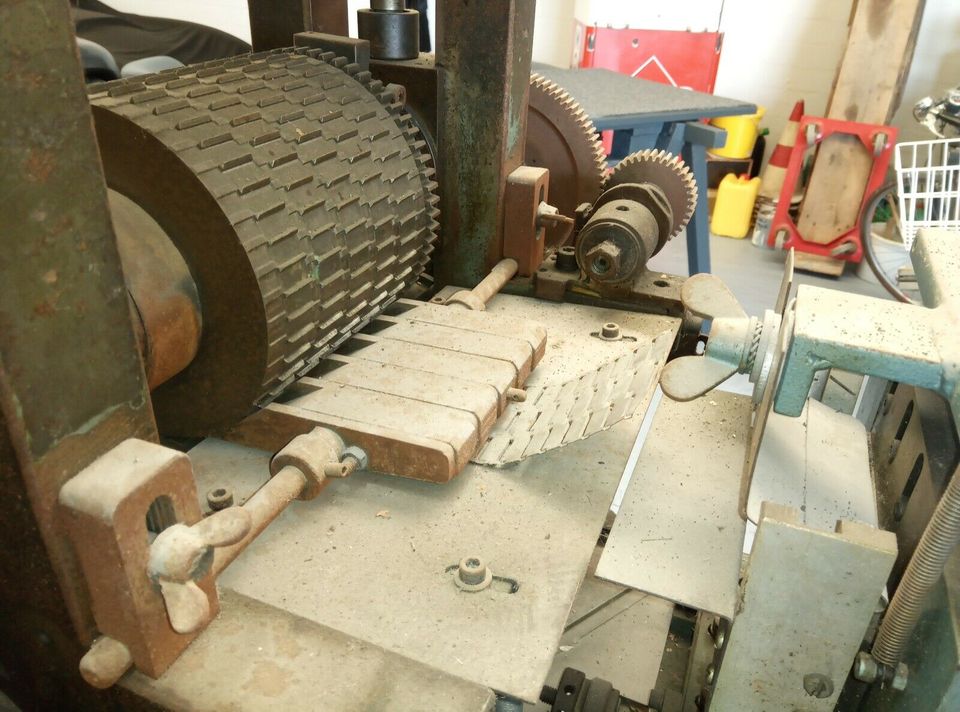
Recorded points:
(882,193)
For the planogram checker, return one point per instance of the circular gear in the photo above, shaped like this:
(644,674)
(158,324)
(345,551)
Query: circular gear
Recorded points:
(666,171)
(301,197)
(562,139)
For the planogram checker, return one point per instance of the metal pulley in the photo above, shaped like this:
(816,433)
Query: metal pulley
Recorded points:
(392,30)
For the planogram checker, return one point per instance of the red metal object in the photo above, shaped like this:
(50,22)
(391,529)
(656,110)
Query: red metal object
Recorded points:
(783,230)
(682,59)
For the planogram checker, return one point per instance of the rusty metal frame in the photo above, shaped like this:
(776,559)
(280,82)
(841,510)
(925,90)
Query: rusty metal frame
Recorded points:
(71,380)
(483,58)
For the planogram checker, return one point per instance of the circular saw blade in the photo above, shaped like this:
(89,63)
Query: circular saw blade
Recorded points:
(666,171)
(562,139)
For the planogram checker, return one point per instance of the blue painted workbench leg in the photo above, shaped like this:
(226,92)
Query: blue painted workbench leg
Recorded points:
(698,231)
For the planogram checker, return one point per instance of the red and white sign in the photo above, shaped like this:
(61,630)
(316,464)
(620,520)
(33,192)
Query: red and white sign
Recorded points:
(680,58)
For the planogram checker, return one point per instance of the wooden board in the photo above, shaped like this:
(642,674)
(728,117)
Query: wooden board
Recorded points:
(867,89)
(419,390)
(808,262)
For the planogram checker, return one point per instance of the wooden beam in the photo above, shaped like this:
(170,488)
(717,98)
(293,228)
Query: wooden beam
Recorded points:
(868,88)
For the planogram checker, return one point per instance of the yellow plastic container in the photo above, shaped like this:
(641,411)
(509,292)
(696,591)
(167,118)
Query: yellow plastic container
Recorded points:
(734,207)
(741,134)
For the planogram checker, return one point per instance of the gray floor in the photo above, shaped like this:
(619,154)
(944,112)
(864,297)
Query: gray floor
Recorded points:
(754,273)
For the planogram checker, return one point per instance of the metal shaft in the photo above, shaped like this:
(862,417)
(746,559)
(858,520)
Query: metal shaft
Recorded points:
(477,297)
(265,506)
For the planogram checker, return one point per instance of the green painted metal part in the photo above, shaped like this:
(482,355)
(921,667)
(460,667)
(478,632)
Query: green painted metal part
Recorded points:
(899,342)
(483,60)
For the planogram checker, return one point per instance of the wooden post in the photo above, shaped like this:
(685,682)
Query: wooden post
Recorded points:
(868,88)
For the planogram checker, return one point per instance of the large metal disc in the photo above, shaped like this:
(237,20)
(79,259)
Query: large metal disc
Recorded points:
(562,139)
(299,196)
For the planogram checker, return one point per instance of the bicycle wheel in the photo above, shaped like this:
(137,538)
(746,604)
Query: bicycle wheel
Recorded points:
(883,245)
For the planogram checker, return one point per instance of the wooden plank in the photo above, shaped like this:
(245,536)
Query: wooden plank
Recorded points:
(482,322)
(480,400)
(479,369)
(808,262)
(389,450)
(461,341)
(867,89)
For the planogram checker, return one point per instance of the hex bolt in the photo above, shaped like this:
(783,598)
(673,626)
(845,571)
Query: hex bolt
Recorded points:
(567,259)
(901,676)
(219,498)
(472,570)
(472,574)
(604,259)
(610,331)
(818,685)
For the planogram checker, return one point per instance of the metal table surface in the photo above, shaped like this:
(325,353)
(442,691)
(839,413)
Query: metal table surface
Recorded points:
(644,115)
(617,101)
(370,556)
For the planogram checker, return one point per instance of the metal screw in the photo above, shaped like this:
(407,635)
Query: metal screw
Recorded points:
(865,668)
(610,331)
(718,634)
(900,677)
(567,259)
(219,498)
(473,574)
(472,570)
(818,685)
(711,673)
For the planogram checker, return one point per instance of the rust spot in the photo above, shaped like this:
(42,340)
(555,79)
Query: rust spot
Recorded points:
(50,276)
(40,164)
(44,308)
(268,679)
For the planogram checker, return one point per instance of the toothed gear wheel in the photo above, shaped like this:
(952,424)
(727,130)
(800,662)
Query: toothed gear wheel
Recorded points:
(299,193)
(666,171)
(562,139)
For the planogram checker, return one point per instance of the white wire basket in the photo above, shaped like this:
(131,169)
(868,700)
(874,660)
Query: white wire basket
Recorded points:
(928,184)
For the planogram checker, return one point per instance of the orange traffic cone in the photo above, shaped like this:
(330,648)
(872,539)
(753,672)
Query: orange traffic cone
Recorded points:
(776,170)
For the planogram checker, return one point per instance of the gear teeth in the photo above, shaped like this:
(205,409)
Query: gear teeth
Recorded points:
(665,170)
(581,134)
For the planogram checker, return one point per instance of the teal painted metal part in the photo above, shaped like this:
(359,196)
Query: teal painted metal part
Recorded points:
(900,342)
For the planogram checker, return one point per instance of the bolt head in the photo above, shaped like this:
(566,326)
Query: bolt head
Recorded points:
(865,668)
(472,570)
(610,331)
(818,685)
(900,677)
(603,260)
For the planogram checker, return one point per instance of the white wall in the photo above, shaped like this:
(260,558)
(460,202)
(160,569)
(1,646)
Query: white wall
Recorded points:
(774,52)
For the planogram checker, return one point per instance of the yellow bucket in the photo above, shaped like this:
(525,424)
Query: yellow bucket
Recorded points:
(741,134)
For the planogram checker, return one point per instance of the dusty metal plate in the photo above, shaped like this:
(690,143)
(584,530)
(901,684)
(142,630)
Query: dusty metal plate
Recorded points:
(679,534)
(808,598)
(369,557)
(818,464)
(256,657)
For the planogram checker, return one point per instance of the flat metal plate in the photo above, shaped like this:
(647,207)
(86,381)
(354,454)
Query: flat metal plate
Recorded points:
(679,534)
(369,557)
(818,464)
(255,657)
(808,598)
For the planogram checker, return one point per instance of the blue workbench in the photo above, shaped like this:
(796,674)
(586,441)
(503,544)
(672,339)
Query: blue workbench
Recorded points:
(643,115)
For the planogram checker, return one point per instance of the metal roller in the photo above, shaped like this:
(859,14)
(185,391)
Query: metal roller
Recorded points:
(301,199)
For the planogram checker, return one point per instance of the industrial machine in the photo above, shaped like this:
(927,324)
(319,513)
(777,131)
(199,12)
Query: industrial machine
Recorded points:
(320,367)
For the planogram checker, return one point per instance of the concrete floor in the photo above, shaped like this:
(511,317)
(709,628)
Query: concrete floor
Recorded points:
(754,273)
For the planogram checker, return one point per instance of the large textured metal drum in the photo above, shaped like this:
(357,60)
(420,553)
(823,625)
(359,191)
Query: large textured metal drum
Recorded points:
(300,197)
